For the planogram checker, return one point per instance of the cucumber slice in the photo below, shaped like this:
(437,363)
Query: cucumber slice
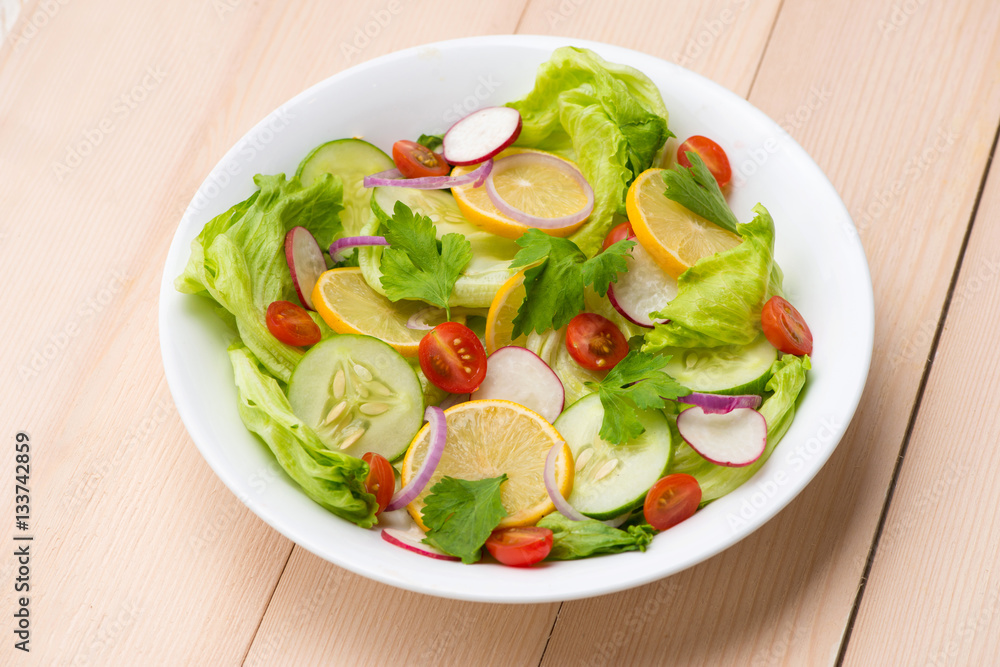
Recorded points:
(359,395)
(613,479)
(351,160)
(730,369)
(491,254)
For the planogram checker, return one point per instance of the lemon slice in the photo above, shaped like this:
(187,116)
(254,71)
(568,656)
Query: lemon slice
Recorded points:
(487,439)
(537,188)
(349,306)
(503,310)
(673,235)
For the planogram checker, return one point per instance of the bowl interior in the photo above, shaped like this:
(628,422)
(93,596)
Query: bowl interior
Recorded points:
(425,89)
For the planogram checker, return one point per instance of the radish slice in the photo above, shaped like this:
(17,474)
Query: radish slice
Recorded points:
(736,438)
(531,220)
(715,404)
(549,475)
(481,135)
(338,247)
(394,178)
(439,435)
(645,288)
(305,261)
(519,375)
(411,542)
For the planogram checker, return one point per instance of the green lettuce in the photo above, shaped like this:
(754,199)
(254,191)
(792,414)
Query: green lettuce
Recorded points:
(238,259)
(789,376)
(610,119)
(334,480)
(720,298)
(590,537)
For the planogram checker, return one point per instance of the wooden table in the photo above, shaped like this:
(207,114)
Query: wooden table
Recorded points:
(112,112)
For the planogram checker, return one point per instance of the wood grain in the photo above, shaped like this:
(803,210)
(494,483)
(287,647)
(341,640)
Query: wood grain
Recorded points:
(934,580)
(785,595)
(111,114)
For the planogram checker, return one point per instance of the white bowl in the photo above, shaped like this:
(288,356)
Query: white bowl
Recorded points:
(425,89)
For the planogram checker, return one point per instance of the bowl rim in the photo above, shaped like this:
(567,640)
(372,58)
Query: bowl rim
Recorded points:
(628,577)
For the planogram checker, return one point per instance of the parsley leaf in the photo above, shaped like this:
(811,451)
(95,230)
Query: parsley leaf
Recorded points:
(559,272)
(696,189)
(637,382)
(460,515)
(413,267)
(431,141)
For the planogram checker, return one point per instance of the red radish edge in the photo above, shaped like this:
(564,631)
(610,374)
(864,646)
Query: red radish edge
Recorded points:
(715,404)
(528,219)
(338,247)
(394,178)
(733,439)
(438,437)
(517,374)
(401,538)
(481,135)
(305,261)
(562,505)
(642,278)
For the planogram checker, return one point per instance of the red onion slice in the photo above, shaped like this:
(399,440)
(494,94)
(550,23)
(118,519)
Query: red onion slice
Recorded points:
(451,400)
(528,219)
(438,436)
(716,404)
(552,487)
(419,319)
(338,247)
(393,178)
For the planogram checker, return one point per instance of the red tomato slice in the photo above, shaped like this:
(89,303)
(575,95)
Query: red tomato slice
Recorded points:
(785,328)
(291,324)
(595,342)
(711,153)
(452,358)
(520,547)
(381,481)
(621,232)
(671,500)
(416,161)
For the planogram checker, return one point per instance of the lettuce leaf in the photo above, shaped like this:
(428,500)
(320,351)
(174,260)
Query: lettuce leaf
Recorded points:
(238,259)
(334,480)
(719,299)
(590,537)
(789,376)
(610,119)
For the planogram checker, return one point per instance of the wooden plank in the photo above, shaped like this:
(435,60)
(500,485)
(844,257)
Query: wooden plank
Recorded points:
(722,39)
(139,550)
(453,632)
(322,614)
(908,165)
(934,586)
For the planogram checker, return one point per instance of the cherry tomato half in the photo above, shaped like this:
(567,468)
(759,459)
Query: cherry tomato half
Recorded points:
(520,547)
(595,342)
(381,481)
(785,328)
(291,324)
(711,153)
(416,161)
(671,500)
(452,357)
(622,232)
